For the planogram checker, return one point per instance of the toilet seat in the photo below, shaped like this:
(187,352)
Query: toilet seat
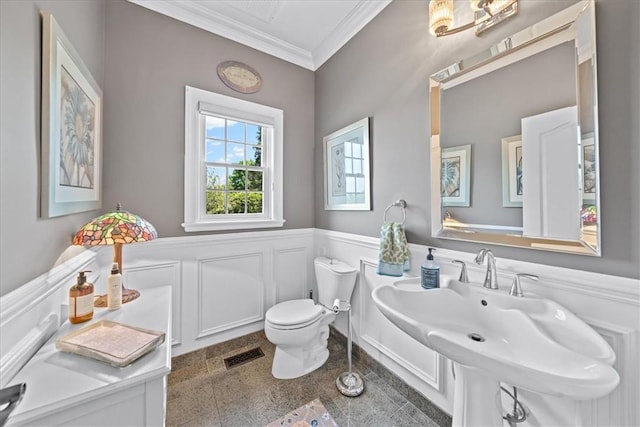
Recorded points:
(294,314)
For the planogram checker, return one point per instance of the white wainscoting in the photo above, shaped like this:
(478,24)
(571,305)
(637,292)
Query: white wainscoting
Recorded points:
(223,284)
(610,304)
(145,276)
(230,292)
(393,347)
(292,266)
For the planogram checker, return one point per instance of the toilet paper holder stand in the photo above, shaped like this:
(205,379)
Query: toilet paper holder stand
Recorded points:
(349,383)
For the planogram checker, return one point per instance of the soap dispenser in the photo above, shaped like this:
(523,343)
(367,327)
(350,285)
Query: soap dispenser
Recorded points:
(430,272)
(81,300)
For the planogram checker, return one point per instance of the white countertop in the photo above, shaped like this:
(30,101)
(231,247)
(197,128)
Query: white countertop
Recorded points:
(56,379)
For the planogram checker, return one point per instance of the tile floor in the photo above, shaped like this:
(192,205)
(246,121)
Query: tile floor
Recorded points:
(203,392)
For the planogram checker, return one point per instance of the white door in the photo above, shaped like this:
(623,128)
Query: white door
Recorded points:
(551,184)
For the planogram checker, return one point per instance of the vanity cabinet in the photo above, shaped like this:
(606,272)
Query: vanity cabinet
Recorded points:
(72,390)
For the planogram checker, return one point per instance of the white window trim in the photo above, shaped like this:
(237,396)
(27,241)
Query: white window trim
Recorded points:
(197,100)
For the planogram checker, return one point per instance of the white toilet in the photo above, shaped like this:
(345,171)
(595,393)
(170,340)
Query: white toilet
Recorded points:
(300,328)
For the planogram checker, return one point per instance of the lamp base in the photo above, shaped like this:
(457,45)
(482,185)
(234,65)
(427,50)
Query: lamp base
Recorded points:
(128,295)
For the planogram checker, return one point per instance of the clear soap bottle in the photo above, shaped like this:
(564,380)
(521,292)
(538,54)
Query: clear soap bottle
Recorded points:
(81,300)
(114,288)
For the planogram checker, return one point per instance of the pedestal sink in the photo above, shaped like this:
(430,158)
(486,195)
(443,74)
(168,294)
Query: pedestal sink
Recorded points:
(528,342)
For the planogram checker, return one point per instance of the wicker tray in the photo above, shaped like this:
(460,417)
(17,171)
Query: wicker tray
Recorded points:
(111,342)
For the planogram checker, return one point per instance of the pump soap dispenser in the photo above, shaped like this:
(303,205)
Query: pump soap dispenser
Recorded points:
(430,273)
(81,300)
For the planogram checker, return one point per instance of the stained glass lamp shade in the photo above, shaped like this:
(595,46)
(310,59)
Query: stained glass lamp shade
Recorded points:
(116,228)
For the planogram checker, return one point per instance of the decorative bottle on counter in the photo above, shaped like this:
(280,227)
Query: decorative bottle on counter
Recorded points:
(81,300)
(114,288)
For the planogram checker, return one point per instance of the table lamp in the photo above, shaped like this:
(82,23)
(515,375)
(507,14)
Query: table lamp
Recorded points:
(116,228)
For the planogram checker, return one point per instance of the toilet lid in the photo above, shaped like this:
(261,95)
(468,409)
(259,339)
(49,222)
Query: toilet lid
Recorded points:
(294,312)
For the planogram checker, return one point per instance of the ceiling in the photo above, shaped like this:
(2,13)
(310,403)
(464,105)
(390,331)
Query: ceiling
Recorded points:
(304,32)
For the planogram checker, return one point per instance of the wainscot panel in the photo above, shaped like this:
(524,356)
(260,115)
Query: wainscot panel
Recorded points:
(291,273)
(230,292)
(152,275)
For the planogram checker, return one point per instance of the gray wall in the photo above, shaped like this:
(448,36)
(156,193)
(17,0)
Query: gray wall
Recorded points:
(29,245)
(476,113)
(150,59)
(142,61)
(381,73)
(388,65)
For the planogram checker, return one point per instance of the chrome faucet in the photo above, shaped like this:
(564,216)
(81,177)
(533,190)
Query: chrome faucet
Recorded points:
(491,278)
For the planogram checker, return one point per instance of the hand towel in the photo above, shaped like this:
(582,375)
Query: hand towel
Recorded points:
(393,257)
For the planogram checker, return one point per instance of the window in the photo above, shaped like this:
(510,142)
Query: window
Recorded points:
(233,163)
(354,171)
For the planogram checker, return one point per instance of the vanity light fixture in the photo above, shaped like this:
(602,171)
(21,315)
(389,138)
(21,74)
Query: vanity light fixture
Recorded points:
(487,13)
(116,228)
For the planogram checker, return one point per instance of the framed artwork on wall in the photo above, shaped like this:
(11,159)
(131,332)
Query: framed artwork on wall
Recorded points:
(455,179)
(239,77)
(589,168)
(71,128)
(346,168)
(512,188)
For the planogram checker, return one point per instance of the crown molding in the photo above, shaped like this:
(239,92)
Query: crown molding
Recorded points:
(195,14)
(360,16)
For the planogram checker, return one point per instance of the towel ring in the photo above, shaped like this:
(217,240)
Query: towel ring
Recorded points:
(397,204)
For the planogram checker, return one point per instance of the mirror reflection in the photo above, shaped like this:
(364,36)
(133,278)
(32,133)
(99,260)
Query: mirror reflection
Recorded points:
(514,132)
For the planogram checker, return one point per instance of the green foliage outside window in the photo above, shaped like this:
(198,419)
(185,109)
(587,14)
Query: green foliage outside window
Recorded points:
(244,191)
(216,202)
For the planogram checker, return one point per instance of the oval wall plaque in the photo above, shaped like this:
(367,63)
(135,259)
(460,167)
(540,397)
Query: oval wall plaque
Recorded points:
(239,77)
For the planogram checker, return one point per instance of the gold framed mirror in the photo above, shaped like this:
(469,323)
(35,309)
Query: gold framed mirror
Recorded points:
(528,108)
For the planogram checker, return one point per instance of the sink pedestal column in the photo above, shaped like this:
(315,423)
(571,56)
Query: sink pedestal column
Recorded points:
(476,398)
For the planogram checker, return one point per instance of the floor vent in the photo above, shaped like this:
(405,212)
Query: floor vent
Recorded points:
(242,358)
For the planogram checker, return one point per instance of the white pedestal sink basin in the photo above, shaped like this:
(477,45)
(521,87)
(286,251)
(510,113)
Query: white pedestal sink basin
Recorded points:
(528,342)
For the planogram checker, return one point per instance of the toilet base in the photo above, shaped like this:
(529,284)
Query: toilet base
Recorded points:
(291,361)
(288,363)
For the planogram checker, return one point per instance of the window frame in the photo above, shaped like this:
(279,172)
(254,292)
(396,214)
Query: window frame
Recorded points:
(198,105)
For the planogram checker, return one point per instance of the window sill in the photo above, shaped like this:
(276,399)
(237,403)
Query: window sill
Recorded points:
(231,225)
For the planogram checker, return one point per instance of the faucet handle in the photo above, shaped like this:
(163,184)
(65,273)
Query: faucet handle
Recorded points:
(516,289)
(10,397)
(464,278)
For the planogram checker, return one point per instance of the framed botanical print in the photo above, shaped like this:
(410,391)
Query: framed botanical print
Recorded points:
(71,128)
(512,188)
(455,178)
(346,168)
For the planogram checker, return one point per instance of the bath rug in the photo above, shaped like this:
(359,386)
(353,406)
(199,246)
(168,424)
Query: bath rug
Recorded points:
(312,414)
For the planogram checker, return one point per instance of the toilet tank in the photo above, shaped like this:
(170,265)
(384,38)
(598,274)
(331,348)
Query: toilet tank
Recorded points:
(335,280)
